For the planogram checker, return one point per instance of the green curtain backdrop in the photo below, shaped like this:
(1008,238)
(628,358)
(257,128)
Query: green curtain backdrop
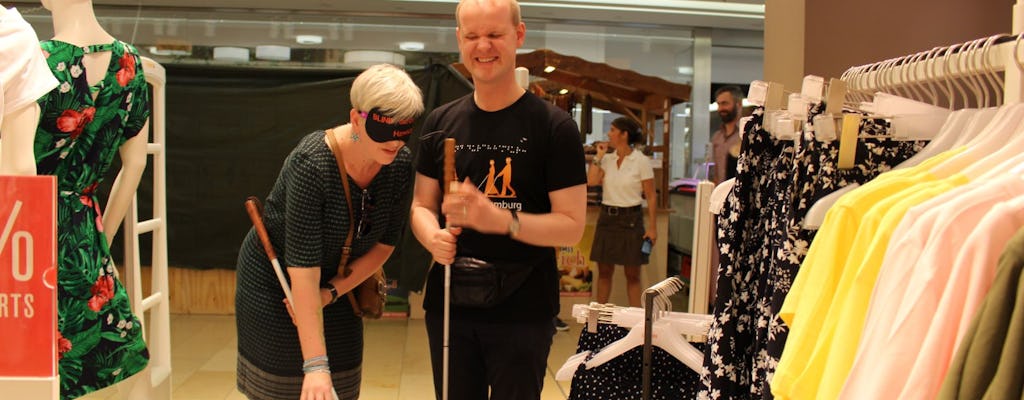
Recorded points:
(228,132)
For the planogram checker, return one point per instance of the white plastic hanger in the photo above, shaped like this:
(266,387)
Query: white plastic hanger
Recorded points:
(568,369)
(993,137)
(975,125)
(663,336)
(664,333)
(1001,160)
(984,116)
(719,195)
(667,329)
(816,214)
(628,317)
(955,128)
(951,131)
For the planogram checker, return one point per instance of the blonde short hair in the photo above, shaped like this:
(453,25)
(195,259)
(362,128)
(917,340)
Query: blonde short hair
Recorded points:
(512,4)
(388,89)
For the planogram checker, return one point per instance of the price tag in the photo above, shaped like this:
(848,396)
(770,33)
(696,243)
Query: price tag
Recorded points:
(28,276)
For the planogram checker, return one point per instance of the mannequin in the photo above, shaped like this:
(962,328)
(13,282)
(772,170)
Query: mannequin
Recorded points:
(23,79)
(99,109)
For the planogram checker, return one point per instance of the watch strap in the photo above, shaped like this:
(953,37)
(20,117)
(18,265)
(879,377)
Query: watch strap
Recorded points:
(332,289)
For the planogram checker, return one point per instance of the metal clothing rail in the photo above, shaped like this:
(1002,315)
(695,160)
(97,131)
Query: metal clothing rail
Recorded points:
(656,299)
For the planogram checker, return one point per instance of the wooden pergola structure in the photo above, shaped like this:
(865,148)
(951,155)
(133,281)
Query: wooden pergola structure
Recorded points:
(642,97)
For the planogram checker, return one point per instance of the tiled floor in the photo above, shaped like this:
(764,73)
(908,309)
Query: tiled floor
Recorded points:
(204,351)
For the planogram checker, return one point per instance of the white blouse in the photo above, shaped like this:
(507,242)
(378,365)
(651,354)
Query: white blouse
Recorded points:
(622,184)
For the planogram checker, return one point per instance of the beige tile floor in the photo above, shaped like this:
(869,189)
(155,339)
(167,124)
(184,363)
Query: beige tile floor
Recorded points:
(204,350)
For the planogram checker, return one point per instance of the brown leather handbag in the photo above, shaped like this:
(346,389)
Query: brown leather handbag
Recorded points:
(369,297)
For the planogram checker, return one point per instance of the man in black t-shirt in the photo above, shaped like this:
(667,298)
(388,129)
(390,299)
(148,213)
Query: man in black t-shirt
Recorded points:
(522,192)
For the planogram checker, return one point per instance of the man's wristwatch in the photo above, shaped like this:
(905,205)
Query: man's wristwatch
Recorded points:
(513,225)
(332,289)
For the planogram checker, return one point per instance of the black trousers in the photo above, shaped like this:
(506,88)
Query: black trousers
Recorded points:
(510,359)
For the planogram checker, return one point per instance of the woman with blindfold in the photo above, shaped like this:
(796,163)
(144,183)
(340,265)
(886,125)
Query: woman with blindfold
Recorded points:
(319,346)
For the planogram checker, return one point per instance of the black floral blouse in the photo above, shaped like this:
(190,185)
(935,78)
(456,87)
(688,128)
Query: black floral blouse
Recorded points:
(762,244)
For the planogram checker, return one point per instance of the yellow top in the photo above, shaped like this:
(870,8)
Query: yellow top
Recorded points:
(837,342)
(812,294)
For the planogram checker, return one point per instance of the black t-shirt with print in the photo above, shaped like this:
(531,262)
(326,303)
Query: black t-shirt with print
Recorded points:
(515,156)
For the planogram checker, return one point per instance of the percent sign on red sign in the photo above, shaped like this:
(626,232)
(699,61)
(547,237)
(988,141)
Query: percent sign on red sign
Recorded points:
(28,276)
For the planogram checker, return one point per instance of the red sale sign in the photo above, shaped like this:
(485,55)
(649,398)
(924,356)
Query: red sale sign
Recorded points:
(28,276)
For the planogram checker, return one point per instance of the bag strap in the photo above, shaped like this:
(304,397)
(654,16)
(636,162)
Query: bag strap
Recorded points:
(346,250)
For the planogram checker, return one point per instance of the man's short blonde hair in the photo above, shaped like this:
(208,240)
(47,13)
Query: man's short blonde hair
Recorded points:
(513,5)
(388,89)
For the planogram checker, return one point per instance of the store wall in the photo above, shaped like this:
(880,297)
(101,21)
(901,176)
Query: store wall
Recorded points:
(838,34)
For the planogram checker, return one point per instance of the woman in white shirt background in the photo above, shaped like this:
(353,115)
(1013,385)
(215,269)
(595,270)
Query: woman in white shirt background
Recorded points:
(626,178)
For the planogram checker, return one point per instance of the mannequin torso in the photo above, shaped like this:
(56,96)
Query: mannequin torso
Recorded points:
(99,110)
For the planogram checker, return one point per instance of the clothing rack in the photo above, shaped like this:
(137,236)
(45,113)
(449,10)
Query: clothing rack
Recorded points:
(656,299)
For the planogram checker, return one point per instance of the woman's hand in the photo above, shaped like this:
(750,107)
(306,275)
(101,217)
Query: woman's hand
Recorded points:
(651,234)
(602,148)
(317,386)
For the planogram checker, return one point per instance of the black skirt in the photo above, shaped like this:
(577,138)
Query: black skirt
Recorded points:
(619,236)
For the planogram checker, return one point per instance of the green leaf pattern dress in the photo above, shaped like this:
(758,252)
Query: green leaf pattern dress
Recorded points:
(80,130)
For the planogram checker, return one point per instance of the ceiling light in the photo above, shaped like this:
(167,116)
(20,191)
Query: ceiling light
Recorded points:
(273,53)
(411,46)
(362,59)
(230,54)
(685,70)
(157,51)
(309,39)
(549,69)
(563,91)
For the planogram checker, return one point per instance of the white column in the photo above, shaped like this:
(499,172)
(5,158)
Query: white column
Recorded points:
(700,99)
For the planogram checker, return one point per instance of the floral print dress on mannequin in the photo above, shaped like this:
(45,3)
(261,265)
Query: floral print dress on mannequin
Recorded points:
(80,130)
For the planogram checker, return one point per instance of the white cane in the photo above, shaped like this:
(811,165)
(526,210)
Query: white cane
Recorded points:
(255,211)
(449,181)
(447,322)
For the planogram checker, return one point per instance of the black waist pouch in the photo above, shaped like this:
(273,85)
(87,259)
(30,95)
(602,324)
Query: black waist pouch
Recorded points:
(481,284)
